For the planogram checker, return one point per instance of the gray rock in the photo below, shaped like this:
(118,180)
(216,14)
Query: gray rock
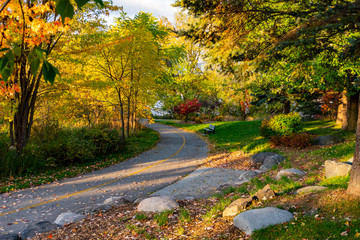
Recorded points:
(94,209)
(327,140)
(113,201)
(290,172)
(268,164)
(237,206)
(336,169)
(267,159)
(259,158)
(264,194)
(310,189)
(157,204)
(68,217)
(9,237)
(255,219)
(246,176)
(37,228)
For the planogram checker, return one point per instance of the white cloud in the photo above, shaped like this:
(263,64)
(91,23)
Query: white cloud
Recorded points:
(159,8)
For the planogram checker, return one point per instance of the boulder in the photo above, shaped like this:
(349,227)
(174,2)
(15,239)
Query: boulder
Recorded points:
(336,169)
(290,172)
(157,204)
(259,158)
(37,228)
(255,219)
(268,164)
(327,140)
(267,160)
(113,201)
(247,175)
(237,206)
(310,189)
(264,194)
(68,217)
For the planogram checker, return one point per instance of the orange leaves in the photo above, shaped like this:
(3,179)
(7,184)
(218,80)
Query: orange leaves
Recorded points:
(39,21)
(8,90)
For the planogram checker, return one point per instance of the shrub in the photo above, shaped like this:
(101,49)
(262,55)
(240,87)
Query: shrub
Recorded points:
(68,146)
(218,118)
(104,139)
(198,120)
(14,164)
(295,140)
(281,125)
(188,107)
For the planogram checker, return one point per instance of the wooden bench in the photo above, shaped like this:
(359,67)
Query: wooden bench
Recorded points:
(210,129)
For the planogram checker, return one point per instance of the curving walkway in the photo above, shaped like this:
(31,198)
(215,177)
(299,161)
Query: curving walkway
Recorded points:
(177,154)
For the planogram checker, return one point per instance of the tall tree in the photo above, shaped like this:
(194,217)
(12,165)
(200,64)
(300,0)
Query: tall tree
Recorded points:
(127,65)
(272,32)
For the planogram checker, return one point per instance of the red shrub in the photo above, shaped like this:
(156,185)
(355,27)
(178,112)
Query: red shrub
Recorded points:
(295,140)
(187,108)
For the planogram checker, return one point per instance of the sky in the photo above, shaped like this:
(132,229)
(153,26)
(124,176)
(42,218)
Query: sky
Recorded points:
(158,8)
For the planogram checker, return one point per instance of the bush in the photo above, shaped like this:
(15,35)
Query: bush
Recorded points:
(218,118)
(295,140)
(69,146)
(105,140)
(281,125)
(198,120)
(13,164)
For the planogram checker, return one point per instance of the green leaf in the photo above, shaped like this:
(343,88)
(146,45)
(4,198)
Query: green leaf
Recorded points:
(17,51)
(81,3)
(100,2)
(49,72)
(65,9)
(34,66)
(6,65)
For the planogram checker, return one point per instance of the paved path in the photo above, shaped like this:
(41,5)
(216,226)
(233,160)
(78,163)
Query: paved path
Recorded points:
(177,154)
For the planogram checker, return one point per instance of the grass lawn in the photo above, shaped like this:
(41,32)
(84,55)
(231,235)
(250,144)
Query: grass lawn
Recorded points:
(231,136)
(144,140)
(335,214)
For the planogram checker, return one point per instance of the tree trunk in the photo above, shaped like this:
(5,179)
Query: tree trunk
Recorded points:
(354,182)
(353,112)
(342,118)
(128,116)
(287,106)
(348,111)
(121,116)
(24,115)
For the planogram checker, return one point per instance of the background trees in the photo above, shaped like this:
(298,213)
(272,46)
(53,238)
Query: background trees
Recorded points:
(296,47)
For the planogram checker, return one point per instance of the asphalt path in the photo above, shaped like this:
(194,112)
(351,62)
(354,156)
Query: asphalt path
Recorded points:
(177,154)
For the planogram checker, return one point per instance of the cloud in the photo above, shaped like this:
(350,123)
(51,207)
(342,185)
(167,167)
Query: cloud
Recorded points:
(159,8)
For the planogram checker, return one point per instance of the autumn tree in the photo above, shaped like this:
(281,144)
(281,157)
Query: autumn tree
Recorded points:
(125,64)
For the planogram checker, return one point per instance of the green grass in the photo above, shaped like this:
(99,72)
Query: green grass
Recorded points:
(311,228)
(283,185)
(231,136)
(327,127)
(162,218)
(184,215)
(335,182)
(341,152)
(141,216)
(144,140)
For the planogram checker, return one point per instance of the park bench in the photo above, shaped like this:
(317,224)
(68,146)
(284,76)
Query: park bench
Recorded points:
(210,129)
